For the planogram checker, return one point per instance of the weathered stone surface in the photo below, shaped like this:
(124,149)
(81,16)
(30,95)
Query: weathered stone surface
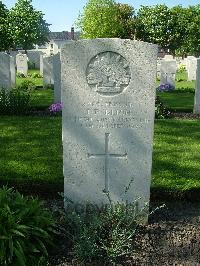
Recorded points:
(187,59)
(108,92)
(48,70)
(7,71)
(197,89)
(12,72)
(168,72)
(57,78)
(41,64)
(34,58)
(168,57)
(158,67)
(21,62)
(191,68)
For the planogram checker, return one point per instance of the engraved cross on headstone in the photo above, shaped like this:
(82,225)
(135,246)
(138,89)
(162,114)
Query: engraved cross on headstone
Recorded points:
(107,155)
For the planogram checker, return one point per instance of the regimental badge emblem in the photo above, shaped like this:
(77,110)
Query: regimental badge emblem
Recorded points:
(108,73)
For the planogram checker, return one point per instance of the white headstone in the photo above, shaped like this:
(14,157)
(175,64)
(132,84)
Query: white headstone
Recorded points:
(48,70)
(13,72)
(187,59)
(197,89)
(168,72)
(57,78)
(158,68)
(108,92)
(34,58)
(191,68)
(21,62)
(7,71)
(168,57)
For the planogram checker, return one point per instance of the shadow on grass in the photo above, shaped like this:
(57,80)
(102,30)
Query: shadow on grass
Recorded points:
(178,102)
(31,149)
(31,155)
(176,157)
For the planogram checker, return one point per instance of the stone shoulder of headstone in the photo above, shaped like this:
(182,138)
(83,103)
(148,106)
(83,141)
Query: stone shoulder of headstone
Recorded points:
(108,95)
(22,63)
(191,68)
(7,71)
(57,78)
(48,76)
(168,57)
(168,66)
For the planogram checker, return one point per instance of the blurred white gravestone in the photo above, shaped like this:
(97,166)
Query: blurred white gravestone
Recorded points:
(41,64)
(48,70)
(22,63)
(108,92)
(168,57)
(187,59)
(168,72)
(7,71)
(197,89)
(158,67)
(57,78)
(191,68)
(34,58)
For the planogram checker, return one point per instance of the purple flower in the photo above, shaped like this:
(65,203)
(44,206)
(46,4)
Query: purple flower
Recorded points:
(55,108)
(165,87)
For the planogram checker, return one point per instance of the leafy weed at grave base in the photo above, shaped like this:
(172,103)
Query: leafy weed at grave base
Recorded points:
(26,229)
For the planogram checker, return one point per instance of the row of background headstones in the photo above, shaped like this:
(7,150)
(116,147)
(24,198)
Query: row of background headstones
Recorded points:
(166,68)
(50,70)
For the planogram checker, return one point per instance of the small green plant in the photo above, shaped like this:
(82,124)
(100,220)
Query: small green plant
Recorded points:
(181,67)
(26,229)
(26,85)
(181,73)
(35,75)
(20,75)
(105,235)
(161,111)
(14,101)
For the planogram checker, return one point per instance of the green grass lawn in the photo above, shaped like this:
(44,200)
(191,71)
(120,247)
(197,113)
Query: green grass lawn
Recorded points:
(37,81)
(180,102)
(31,151)
(182,99)
(31,148)
(41,99)
(176,156)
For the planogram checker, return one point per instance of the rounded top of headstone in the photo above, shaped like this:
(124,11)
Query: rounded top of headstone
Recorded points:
(108,73)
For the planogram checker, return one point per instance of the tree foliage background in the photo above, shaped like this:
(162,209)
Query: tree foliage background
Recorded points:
(5,37)
(22,26)
(176,28)
(106,19)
